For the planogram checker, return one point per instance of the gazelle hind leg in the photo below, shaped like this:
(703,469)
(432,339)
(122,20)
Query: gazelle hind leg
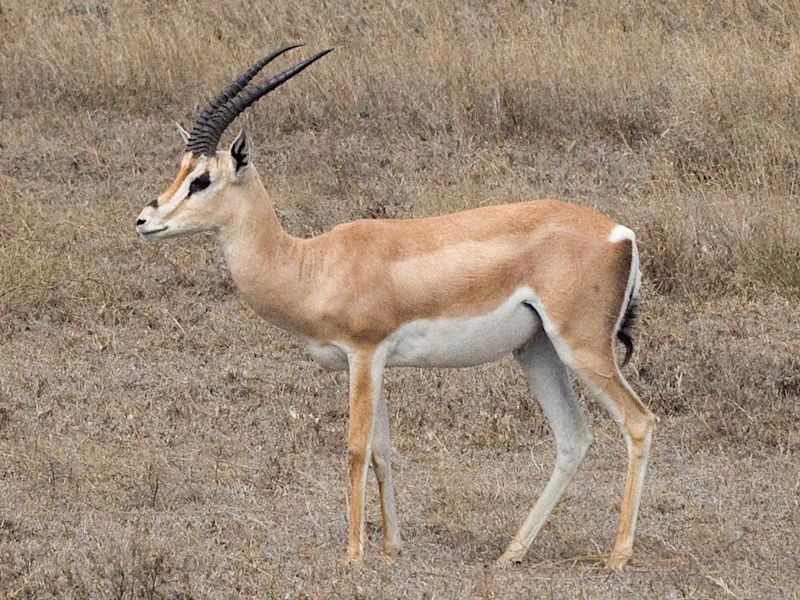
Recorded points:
(550,384)
(381,462)
(600,373)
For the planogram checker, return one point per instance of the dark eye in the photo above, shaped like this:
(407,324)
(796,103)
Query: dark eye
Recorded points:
(199,184)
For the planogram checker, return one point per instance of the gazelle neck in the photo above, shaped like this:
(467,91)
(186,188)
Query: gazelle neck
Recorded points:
(264,260)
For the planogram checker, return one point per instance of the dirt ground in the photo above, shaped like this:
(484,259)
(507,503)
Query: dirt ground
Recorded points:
(157,440)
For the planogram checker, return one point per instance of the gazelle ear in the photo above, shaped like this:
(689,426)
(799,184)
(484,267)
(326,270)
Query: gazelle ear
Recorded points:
(183,132)
(240,152)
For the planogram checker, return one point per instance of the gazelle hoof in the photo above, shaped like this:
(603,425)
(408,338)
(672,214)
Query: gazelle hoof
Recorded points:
(352,558)
(513,554)
(392,549)
(510,558)
(617,560)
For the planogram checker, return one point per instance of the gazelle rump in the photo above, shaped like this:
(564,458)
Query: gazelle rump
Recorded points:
(551,282)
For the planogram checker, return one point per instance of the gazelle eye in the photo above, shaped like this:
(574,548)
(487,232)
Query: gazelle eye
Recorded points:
(199,184)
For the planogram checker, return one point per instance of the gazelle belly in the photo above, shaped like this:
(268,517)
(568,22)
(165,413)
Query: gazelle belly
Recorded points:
(467,341)
(330,356)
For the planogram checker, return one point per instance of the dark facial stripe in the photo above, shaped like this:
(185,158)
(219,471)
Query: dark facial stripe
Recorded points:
(199,184)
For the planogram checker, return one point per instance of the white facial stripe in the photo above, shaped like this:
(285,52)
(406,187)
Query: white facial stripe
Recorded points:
(179,195)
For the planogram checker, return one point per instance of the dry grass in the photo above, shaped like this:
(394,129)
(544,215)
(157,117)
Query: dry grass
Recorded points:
(157,441)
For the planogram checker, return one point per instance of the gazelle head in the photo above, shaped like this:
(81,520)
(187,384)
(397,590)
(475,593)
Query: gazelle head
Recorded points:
(196,200)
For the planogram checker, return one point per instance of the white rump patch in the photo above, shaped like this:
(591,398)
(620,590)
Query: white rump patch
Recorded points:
(619,233)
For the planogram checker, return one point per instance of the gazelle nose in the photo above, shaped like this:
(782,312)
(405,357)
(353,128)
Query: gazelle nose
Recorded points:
(140,221)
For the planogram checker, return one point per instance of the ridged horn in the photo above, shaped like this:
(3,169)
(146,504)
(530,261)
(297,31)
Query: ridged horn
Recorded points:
(228,104)
(199,137)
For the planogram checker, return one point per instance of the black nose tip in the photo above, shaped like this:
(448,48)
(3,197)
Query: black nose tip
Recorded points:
(141,221)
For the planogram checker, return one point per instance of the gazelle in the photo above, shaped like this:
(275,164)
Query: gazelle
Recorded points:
(553,283)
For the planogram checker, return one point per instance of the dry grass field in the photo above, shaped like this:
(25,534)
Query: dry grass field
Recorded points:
(159,441)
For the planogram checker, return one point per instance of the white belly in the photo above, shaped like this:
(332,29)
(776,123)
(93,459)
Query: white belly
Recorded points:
(456,342)
(330,356)
(464,342)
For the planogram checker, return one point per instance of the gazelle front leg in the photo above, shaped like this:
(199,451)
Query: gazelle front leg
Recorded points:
(366,372)
(382,463)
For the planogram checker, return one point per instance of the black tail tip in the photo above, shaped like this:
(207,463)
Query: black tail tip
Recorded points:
(625,328)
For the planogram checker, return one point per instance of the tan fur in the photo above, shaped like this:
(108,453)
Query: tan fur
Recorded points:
(187,166)
(359,282)
(455,265)
(356,285)
(359,434)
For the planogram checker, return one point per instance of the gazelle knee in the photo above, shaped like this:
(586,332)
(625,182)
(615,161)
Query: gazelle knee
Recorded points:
(569,455)
(642,425)
(640,432)
(355,457)
(380,463)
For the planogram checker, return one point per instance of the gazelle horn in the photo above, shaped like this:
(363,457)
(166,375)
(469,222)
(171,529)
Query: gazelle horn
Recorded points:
(230,102)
